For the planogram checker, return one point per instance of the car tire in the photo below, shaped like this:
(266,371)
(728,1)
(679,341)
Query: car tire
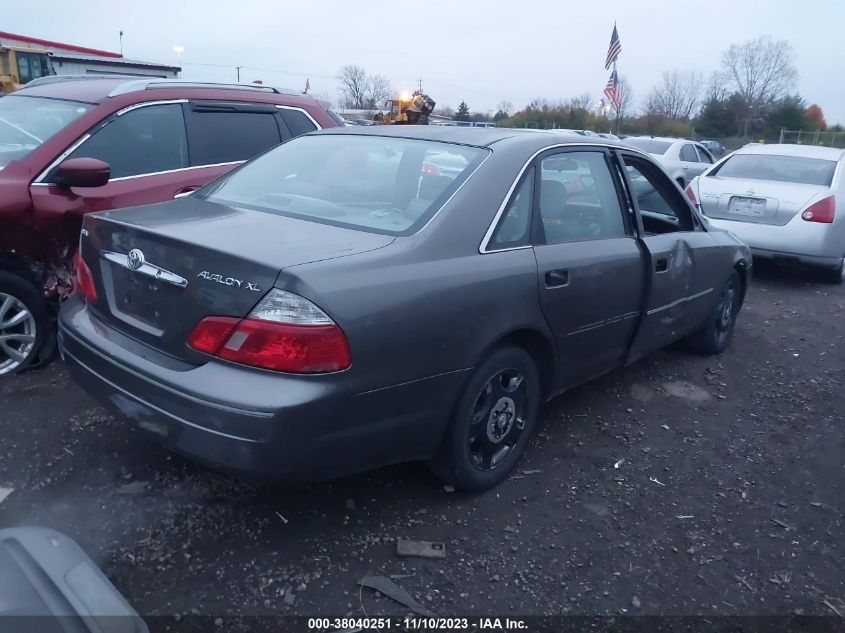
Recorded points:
(492,422)
(24,323)
(716,333)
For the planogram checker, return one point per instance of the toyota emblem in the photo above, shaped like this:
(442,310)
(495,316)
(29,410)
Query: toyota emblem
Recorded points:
(136,259)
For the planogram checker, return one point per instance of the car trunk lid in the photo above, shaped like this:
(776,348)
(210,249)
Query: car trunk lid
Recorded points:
(160,269)
(751,200)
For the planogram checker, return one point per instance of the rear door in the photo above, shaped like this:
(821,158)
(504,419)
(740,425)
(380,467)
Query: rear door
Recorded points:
(691,162)
(147,148)
(590,267)
(682,258)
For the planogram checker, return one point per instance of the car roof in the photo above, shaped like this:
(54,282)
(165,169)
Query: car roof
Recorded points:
(785,149)
(100,88)
(477,136)
(665,139)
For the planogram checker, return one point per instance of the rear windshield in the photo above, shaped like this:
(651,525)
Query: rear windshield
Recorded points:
(26,122)
(383,184)
(649,145)
(797,169)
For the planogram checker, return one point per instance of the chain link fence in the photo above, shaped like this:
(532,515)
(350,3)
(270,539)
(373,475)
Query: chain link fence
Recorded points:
(813,137)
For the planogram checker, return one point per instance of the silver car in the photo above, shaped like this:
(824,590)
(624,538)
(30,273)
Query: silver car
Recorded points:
(782,200)
(682,159)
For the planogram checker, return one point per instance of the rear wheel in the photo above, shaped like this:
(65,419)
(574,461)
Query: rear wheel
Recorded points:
(715,334)
(23,323)
(492,422)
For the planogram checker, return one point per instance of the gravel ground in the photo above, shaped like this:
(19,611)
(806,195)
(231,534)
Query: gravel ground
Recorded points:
(681,485)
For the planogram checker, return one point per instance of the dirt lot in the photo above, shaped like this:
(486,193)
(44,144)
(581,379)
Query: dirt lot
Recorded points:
(682,485)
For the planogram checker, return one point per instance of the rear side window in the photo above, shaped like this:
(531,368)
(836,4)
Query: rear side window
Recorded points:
(688,153)
(225,137)
(297,121)
(514,226)
(797,169)
(146,140)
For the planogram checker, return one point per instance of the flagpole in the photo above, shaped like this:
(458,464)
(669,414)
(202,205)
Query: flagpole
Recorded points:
(618,93)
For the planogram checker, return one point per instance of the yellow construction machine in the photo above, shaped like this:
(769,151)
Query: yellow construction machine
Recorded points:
(406,109)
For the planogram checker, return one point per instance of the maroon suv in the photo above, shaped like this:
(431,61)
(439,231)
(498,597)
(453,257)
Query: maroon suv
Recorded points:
(70,145)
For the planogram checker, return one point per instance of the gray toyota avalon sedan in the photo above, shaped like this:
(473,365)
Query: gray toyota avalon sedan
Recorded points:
(344,301)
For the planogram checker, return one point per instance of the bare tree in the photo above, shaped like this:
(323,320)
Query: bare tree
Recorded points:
(378,90)
(626,101)
(760,71)
(505,107)
(719,87)
(677,95)
(581,102)
(353,86)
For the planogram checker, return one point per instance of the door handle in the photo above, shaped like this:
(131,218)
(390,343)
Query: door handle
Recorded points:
(557,278)
(661,265)
(185,191)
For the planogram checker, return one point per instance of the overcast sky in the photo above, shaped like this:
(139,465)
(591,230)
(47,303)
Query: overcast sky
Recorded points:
(480,51)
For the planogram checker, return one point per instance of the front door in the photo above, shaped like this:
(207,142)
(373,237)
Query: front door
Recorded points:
(680,254)
(589,263)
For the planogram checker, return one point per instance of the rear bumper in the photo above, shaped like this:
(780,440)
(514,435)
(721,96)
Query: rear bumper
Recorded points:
(255,422)
(810,243)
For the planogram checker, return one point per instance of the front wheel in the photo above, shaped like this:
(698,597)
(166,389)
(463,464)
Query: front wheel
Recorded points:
(715,334)
(492,422)
(23,323)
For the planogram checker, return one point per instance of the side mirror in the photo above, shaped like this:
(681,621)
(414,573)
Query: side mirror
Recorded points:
(83,172)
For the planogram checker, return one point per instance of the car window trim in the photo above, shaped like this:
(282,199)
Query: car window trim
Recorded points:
(39,180)
(303,110)
(483,246)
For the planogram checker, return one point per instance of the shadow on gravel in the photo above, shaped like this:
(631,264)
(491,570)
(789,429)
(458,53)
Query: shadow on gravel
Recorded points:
(789,275)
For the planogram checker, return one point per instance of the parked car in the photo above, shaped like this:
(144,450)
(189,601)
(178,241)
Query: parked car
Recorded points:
(714,147)
(323,310)
(682,159)
(609,136)
(70,145)
(786,201)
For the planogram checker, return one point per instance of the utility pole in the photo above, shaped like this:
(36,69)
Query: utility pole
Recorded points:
(238,69)
(420,82)
(121,42)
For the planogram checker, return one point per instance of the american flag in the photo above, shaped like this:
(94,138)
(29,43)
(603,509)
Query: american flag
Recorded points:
(614,49)
(611,90)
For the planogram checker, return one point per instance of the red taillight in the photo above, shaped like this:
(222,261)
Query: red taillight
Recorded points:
(284,333)
(84,278)
(211,333)
(691,194)
(301,349)
(822,211)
